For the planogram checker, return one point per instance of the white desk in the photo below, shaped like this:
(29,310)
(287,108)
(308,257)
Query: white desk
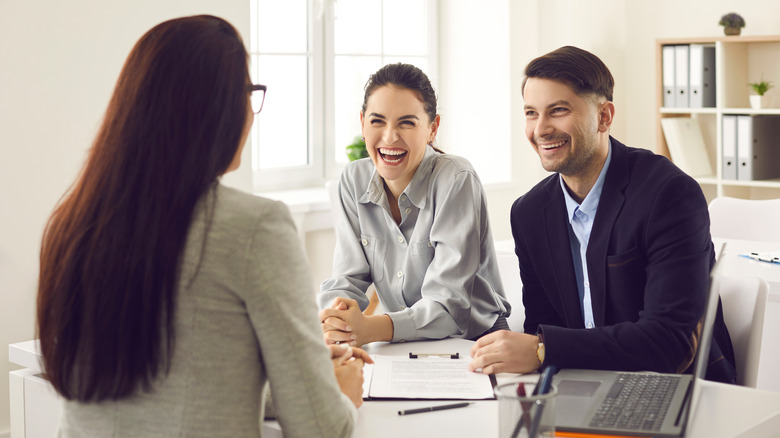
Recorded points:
(723,410)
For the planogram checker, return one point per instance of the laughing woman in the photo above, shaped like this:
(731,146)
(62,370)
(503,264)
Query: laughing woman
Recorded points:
(413,221)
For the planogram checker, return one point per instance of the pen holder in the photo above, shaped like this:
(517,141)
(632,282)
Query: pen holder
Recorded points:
(524,415)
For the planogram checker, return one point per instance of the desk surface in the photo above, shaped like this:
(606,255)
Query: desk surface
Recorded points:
(723,410)
(737,266)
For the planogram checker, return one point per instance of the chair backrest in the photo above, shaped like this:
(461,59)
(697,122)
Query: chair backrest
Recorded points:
(513,285)
(744,304)
(745,219)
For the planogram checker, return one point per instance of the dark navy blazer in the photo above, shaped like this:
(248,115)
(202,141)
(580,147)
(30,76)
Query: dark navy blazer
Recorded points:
(649,259)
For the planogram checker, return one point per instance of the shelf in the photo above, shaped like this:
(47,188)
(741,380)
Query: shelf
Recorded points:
(689,110)
(770,183)
(739,60)
(751,111)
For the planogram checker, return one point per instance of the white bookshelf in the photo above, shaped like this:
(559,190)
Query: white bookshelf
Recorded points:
(738,60)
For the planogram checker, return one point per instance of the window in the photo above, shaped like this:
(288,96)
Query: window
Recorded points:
(315,57)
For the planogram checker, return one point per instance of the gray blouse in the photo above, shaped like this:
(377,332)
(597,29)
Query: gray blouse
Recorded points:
(436,273)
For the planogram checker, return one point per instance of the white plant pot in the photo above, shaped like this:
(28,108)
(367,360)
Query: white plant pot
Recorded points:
(757,102)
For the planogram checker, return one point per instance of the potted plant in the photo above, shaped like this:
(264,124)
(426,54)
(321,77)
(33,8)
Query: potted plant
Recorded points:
(758,100)
(357,149)
(732,23)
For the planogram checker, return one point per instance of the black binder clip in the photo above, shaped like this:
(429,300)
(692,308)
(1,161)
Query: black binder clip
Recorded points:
(443,355)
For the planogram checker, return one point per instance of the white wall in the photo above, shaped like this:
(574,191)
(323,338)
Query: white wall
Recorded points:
(60,61)
(59,64)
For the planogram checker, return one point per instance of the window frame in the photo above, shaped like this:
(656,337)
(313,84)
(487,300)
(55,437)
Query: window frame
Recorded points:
(320,123)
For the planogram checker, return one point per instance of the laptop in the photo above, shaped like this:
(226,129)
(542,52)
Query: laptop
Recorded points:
(595,401)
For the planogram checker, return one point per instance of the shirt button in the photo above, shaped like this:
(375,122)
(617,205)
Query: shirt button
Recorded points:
(400,239)
(430,245)
(400,274)
(403,198)
(364,242)
(590,325)
(408,210)
(587,284)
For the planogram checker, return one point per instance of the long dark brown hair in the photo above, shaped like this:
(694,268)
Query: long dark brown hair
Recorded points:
(112,247)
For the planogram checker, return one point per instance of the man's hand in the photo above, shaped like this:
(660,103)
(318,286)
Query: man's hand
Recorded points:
(505,352)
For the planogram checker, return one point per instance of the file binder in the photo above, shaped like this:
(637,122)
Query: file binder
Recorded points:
(729,146)
(681,60)
(744,148)
(702,75)
(686,146)
(667,53)
(758,149)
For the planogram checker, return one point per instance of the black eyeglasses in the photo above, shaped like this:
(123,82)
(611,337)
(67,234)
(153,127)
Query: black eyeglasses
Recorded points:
(256,98)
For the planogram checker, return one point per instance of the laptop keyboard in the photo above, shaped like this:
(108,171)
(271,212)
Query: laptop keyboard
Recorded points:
(636,401)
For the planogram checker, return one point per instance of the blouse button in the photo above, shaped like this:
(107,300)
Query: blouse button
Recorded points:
(400,239)
(364,242)
(400,274)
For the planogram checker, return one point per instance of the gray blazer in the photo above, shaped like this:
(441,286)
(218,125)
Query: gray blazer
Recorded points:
(246,315)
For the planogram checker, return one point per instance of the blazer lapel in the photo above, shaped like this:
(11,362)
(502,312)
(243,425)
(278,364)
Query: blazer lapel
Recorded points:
(558,252)
(610,204)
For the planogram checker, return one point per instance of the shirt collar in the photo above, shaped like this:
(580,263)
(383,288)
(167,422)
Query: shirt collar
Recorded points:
(591,202)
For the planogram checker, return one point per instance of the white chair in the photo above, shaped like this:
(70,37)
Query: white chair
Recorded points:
(513,285)
(745,219)
(744,304)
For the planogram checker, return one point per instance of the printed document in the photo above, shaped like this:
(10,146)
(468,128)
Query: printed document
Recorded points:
(427,377)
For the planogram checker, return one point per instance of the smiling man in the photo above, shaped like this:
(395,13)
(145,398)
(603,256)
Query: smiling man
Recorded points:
(614,248)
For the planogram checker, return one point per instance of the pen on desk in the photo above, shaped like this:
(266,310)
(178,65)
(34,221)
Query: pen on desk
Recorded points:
(434,408)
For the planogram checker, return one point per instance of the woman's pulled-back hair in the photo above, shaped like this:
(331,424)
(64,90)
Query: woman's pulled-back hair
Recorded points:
(112,248)
(404,76)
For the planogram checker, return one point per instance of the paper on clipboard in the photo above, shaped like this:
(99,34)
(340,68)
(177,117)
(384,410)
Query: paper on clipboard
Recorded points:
(431,377)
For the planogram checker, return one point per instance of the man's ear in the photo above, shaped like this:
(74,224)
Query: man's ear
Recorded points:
(606,115)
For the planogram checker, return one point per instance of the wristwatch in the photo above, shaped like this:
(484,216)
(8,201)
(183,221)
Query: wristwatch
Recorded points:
(540,350)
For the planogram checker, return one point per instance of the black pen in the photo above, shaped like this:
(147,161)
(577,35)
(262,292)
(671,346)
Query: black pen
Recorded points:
(434,408)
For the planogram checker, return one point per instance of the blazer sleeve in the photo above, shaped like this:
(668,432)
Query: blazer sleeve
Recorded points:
(281,307)
(538,308)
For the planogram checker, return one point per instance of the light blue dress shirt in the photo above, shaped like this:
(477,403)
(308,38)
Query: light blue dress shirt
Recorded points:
(436,273)
(581,217)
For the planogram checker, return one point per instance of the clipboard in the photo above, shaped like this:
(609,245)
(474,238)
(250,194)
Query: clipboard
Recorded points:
(425,376)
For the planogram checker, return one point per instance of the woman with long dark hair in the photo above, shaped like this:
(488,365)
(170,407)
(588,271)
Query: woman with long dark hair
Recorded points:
(414,223)
(166,300)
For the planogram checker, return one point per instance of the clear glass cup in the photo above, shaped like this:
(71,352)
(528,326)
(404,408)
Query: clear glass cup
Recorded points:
(524,415)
